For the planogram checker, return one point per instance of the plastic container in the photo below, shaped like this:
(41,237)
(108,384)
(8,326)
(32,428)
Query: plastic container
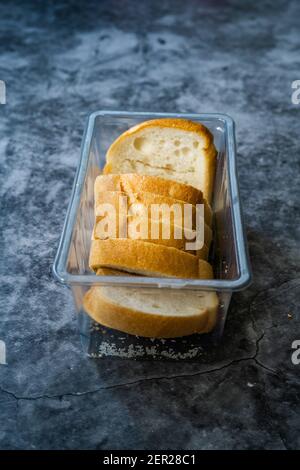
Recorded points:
(228,256)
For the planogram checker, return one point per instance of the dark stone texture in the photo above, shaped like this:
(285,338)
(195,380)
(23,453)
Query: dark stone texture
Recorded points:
(61,61)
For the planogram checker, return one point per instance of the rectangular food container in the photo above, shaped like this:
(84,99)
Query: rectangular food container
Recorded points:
(228,256)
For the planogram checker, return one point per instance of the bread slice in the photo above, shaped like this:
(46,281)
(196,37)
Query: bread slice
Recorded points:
(154,231)
(175,149)
(156,313)
(133,183)
(121,202)
(148,259)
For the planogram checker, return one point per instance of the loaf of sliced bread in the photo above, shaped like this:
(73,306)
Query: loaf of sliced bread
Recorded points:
(133,183)
(156,313)
(147,259)
(175,149)
(155,231)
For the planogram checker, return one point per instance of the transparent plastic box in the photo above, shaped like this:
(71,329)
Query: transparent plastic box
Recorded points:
(228,254)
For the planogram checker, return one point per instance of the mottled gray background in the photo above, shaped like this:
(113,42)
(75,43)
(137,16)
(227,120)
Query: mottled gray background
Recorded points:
(60,62)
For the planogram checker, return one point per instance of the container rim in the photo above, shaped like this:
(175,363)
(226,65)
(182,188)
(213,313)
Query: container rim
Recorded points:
(59,267)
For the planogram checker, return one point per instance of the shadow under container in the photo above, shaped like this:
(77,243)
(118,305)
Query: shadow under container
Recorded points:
(228,253)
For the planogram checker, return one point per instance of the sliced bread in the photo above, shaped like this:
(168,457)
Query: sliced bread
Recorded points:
(133,183)
(155,231)
(175,149)
(122,202)
(156,313)
(148,259)
(148,205)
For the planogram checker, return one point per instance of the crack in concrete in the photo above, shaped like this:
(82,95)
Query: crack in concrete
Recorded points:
(253,321)
(174,377)
(269,369)
(257,361)
(147,379)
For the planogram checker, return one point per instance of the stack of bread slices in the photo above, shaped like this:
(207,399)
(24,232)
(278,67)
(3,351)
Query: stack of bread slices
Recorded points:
(160,163)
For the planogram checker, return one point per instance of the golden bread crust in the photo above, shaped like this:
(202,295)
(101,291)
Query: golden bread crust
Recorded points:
(135,322)
(147,258)
(115,198)
(154,226)
(175,123)
(131,183)
(135,183)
